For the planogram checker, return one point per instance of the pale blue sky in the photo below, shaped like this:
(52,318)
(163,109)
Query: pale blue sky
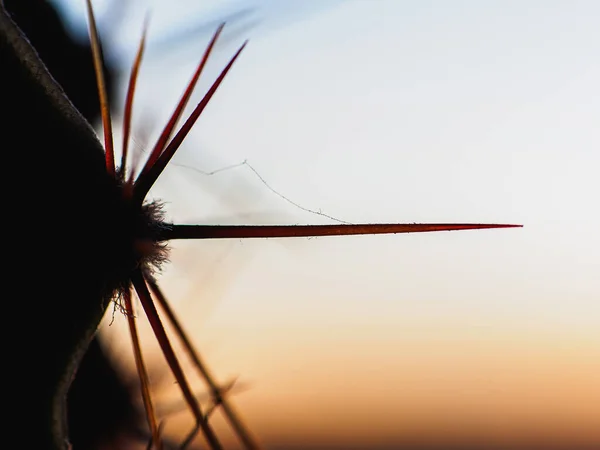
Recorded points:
(382,111)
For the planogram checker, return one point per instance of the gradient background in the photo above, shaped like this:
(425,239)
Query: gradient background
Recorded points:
(385,111)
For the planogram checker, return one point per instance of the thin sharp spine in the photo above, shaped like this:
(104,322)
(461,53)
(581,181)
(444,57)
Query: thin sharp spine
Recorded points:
(281,231)
(104,107)
(216,391)
(145,181)
(141,369)
(129,99)
(168,130)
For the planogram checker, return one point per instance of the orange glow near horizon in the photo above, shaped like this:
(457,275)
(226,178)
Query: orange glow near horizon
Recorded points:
(389,386)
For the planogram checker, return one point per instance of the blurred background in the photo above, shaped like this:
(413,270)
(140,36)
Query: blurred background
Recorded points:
(380,111)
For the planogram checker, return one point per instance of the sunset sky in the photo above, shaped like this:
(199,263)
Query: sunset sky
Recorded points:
(386,111)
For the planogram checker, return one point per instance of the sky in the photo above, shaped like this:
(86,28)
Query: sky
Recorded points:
(385,111)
